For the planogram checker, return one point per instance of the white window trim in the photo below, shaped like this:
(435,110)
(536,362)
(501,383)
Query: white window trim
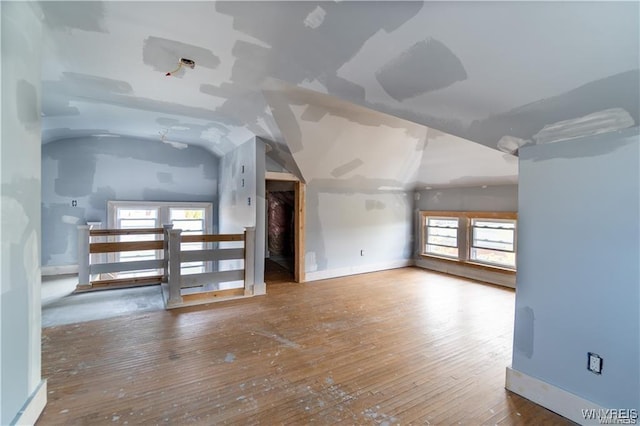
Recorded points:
(163,211)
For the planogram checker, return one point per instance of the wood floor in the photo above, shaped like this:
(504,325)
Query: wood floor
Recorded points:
(397,347)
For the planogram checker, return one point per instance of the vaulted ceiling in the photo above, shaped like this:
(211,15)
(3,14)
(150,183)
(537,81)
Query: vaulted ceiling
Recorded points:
(411,90)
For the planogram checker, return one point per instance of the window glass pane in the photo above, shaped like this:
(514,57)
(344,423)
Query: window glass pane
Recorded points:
(186,214)
(442,251)
(188,225)
(137,223)
(442,223)
(494,224)
(125,213)
(443,241)
(500,258)
(501,239)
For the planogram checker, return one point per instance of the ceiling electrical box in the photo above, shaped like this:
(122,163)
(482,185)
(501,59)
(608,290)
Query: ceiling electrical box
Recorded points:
(187,63)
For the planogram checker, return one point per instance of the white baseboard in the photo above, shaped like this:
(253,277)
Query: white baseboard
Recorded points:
(361,269)
(33,407)
(551,397)
(59,270)
(461,270)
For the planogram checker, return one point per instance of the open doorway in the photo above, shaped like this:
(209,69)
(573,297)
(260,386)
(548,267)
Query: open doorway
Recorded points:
(284,249)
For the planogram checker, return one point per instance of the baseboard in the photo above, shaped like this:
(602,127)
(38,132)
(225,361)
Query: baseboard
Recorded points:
(32,409)
(553,398)
(461,270)
(361,269)
(59,270)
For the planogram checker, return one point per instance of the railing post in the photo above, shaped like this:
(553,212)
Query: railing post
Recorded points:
(165,273)
(175,298)
(96,257)
(249,259)
(83,255)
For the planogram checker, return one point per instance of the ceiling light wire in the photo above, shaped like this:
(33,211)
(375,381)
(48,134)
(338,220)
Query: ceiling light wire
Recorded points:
(174,71)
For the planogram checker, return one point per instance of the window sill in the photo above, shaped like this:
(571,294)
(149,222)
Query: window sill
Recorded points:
(472,264)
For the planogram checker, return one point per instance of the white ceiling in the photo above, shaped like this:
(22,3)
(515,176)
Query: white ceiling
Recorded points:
(476,70)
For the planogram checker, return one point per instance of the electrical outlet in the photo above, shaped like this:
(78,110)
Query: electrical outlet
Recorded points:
(594,363)
(74,203)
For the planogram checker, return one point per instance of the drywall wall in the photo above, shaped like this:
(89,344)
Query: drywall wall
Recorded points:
(578,270)
(94,170)
(242,200)
(495,198)
(350,230)
(20,372)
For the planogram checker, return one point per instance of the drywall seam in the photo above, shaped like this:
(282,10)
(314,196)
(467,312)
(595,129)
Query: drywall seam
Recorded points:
(551,397)
(353,270)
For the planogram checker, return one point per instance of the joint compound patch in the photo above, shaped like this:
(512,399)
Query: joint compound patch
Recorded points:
(426,66)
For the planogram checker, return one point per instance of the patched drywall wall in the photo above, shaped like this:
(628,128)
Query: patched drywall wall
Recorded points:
(493,198)
(334,139)
(242,200)
(350,230)
(578,276)
(94,170)
(445,65)
(20,321)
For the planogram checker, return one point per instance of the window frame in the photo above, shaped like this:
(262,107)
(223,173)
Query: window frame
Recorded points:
(426,236)
(163,210)
(472,239)
(465,238)
(164,217)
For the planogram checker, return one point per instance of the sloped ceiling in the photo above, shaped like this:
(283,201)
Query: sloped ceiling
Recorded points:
(471,71)
(337,144)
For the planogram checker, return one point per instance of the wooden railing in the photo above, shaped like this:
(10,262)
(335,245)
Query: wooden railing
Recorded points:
(179,288)
(97,259)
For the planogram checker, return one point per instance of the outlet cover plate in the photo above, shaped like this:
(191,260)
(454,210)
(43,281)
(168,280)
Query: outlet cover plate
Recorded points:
(594,363)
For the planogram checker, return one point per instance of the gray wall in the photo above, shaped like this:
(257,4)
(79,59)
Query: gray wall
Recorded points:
(341,221)
(20,320)
(578,276)
(495,198)
(94,170)
(242,198)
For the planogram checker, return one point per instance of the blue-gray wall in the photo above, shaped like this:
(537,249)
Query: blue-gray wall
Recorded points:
(493,198)
(342,220)
(20,320)
(578,266)
(242,199)
(96,169)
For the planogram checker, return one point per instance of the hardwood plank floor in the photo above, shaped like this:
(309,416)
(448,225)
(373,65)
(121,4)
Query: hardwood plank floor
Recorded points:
(405,346)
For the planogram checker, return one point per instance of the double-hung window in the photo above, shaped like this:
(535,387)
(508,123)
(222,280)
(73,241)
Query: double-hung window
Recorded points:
(441,237)
(493,241)
(193,218)
(487,239)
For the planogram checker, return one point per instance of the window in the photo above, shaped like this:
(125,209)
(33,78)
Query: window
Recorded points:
(132,217)
(442,236)
(193,218)
(192,222)
(487,239)
(493,242)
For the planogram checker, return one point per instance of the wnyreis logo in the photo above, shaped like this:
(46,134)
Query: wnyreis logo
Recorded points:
(612,416)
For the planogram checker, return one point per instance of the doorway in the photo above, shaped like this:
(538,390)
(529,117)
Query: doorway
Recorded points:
(284,249)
